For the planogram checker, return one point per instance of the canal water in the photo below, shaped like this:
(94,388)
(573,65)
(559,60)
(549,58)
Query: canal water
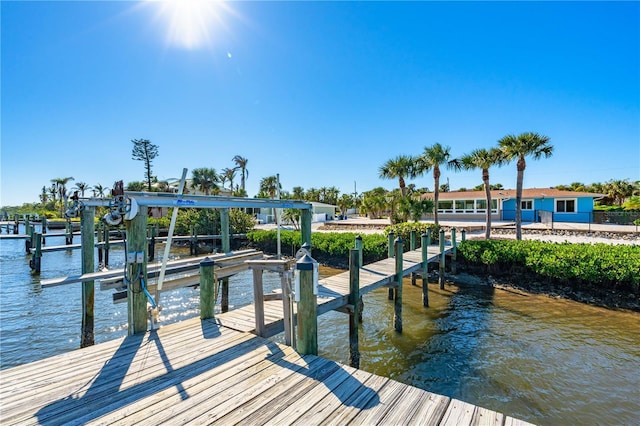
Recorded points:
(548,361)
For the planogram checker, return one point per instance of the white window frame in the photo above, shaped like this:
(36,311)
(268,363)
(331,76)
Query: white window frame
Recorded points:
(528,200)
(575,205)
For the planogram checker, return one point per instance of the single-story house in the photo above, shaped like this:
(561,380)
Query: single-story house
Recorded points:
(538,205)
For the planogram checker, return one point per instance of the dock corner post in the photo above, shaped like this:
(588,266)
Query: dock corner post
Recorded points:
(359,248)
(454,252)
(137,271)
(354,301)
(464,235)
(397,306)
(305,227)
(390,254)
(425,270)
(87,238)
(207,288)
(307,307)
(224,230)
(441,266)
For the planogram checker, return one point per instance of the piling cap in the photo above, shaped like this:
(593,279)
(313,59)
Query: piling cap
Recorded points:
(207,261)
(306,246)
(305,263)
(398,240)
(359,237)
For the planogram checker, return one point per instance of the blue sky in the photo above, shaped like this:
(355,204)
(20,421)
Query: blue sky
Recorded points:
(322,93)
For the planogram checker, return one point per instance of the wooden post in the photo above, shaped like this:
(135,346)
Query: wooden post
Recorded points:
(428,236)
(307,308)
(441,268)
(68,237)
(305,228)
(359,248)
(289,337)
(87,237)
(100,234)
(137,271)
(390,253)
(16,224)
(397,306)
(28,242)
(412,247)
(152,243)
(425,270)
(454,266)
(258,300)
(107,236)
(464,234)
(207,288)
(37,255)
(44,229)
(224,230)
(354,301)
(193,242)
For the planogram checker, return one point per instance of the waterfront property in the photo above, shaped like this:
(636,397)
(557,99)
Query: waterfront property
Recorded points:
(538,205)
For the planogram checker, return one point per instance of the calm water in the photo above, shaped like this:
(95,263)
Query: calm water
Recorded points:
(544,360)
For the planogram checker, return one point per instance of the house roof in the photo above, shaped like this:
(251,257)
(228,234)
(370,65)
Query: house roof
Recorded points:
(511,193)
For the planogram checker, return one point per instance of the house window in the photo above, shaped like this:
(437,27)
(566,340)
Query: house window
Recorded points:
(566,206)
(445,206)
(526,204)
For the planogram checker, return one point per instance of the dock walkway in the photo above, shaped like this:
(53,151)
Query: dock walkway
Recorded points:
(200,372)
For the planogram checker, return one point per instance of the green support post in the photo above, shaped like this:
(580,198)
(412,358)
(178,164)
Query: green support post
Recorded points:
(354,301)
(87,237)
(425,270)
(28,242)
(464,235)
(441,266)
(397,306)
(37,255)
(44,229)
(307,308)
(137,271)
(412,240)
(207,288)
(428,236)
(359,248)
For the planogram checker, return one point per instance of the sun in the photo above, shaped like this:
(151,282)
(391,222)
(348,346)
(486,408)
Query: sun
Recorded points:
(190,23)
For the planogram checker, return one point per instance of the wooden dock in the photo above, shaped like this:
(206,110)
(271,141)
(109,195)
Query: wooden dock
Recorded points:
(201,372)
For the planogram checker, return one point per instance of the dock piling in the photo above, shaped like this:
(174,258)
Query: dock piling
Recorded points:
(359,248)
(207,288)
(425,270)
(397,306)
(36,257)
(137,271)
(454,263)
(307,307)
(87,238)
(354,301)
(390,254)
(441,266)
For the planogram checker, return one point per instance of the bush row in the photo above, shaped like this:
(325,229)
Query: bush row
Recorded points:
(596,264)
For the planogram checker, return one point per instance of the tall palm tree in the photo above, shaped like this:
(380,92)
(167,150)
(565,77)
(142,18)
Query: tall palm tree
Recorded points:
(241,163)
(53,191)
(204,179)
(269,185)
(401,167)
(61,187)
(298,193)
(483,159)
(528,144)
(82,187)
(98,190)
(229,174)
(431,159)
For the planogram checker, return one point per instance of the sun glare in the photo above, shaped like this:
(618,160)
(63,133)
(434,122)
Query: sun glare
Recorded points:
(190,22)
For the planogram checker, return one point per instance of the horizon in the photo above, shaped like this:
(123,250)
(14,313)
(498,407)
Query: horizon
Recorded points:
(321,93)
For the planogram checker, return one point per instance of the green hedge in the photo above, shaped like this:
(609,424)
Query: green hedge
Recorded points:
(597,264)
(403,230)
(328,247)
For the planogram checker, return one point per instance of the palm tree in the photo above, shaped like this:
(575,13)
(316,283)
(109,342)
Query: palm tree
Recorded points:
(432,158)
(241,163)
(44,196)
(204,179)
(298,193)
(53,191)
(483,159)
(401,167)
(527,144)
(270,185)
(61,187)
(82,187)
(619,190)
(229,174)
(98,190)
